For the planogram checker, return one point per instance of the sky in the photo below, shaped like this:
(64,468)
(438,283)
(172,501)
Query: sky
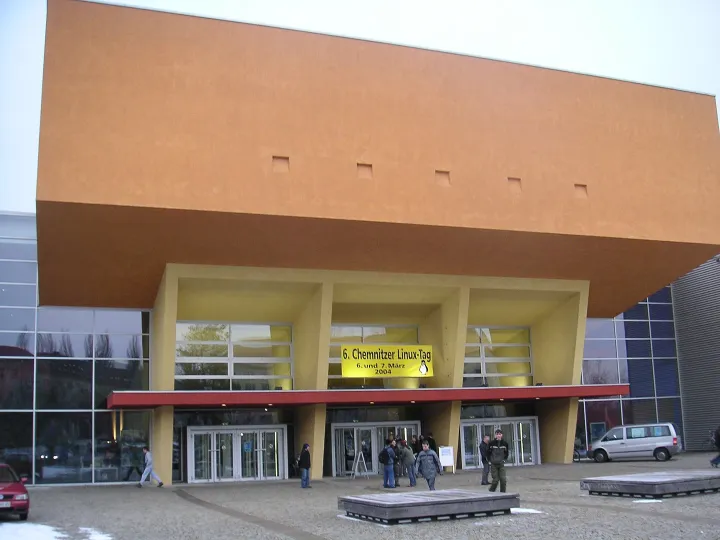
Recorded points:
(673,43)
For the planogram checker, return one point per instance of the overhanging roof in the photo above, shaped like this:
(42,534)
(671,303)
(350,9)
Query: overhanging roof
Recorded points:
(278,398)
(115,256)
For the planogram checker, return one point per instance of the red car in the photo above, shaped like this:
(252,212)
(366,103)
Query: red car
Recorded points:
(14,498)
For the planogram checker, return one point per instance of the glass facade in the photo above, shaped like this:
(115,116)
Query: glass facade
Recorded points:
(498,356)
(57,367)
(637,347)
(225,356)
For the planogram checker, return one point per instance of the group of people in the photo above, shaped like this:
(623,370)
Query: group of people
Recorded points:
(417,458)
(420,458)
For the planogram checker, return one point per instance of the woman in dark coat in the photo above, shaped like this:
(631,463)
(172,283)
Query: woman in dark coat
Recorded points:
(304,466)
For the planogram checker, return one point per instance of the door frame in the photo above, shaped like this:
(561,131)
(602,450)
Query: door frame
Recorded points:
(514,420)
(235,430)
(372,426)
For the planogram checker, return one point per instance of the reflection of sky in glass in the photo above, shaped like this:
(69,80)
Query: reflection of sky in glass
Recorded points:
(600,372)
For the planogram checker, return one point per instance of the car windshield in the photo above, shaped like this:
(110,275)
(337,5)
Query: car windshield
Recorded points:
(7,475)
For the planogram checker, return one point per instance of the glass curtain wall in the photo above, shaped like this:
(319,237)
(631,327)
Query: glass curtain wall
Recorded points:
(226,356)
(636,347)
(498,356)
(57,367)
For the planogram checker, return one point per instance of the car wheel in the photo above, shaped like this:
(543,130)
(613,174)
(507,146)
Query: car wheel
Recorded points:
(661,454)
(600,456)
(23,517)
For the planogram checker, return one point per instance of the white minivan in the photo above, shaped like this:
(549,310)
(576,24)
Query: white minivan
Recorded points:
(660,441)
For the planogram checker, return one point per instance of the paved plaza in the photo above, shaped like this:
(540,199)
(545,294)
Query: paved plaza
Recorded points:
(552,507)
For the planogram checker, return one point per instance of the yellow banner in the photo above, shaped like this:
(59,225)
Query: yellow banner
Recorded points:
(369,361)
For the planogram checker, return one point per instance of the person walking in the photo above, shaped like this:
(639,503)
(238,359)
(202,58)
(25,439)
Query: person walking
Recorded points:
(427,463)
(387,460)
(498,452)
(407,462)
(149,469)
(485,459)
(715,462)
(304,466)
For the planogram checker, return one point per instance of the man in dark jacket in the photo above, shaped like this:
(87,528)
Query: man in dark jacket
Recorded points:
(304,466)
(415,445)
(498,452)
(485,459)
(388,463)
(431,442)
(716,461)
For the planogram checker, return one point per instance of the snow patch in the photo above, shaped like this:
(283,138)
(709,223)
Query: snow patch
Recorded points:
(36,531)
(29,531)
(92,534)
(645,501)
(525,511)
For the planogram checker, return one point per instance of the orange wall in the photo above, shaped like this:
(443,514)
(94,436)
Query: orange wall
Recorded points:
(153,109)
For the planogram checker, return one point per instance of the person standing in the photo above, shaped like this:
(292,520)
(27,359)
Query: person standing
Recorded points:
(485,459)
(304,466)
(427,463)
(498,452)
(431,441)
(715,462)
(387,460)
(407,462)
(415,445)
(149,469)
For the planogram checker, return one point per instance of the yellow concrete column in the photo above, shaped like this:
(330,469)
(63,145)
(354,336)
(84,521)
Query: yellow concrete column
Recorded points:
(310,428)
(557,419)
(558,339)
(443,421)
(162,371)
(311,342)
(557,342)
(445,329)
(162,443)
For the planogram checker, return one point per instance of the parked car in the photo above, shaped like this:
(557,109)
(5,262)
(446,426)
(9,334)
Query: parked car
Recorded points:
(660,441)
(14,498)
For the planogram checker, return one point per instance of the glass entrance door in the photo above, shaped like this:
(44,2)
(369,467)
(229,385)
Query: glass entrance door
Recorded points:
(235,453)
(521,434)
(249,469)
(201,467)
(350,440)
(223,456)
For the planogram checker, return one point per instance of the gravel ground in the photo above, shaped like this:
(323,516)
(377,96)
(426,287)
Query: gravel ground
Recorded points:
(550,494)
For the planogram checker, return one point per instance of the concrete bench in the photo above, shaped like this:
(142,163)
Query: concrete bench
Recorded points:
(655,484)
(407,507)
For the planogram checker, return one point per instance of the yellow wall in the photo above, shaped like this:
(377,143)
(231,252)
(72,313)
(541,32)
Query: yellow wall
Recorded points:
(443,421)
(162,443)
(445,329)
(557,419)
(311,341)
(162,372)
(557,342)
(310,428)
(162,366)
